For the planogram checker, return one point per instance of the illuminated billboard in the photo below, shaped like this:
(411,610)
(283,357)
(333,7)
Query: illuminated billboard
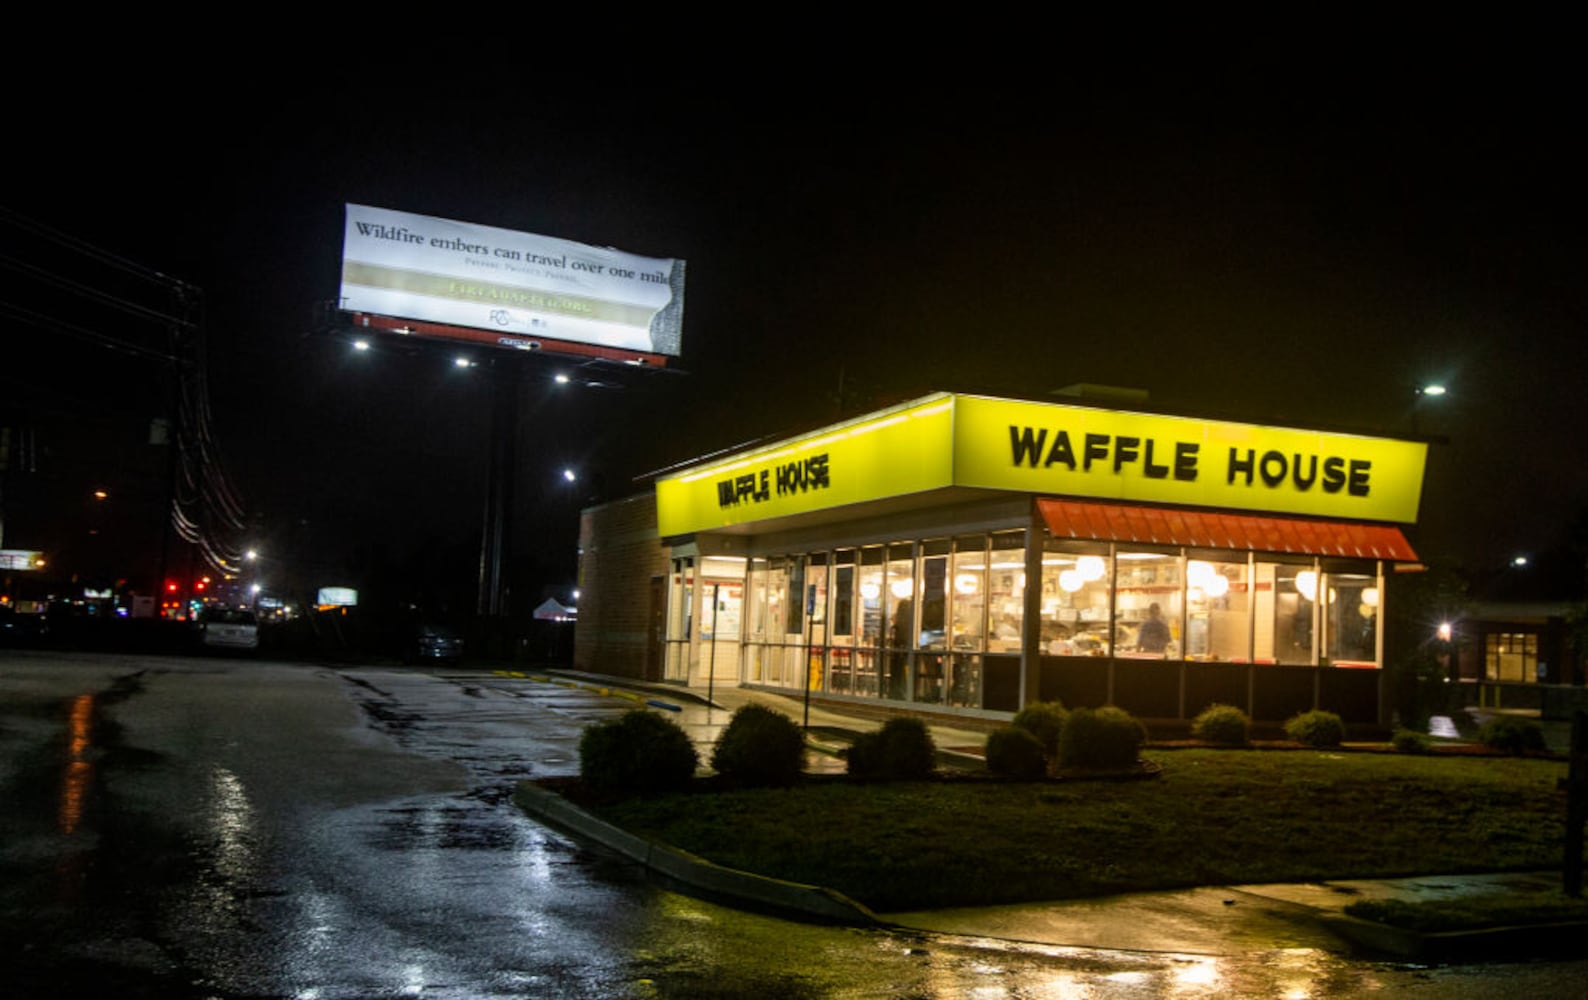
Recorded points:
(520,289)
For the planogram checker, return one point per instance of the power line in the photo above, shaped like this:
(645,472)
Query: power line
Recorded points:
(206,510)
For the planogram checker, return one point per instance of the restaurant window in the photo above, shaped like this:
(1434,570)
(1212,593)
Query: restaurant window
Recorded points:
(968,593)
(1076,582)
(783,582)
(680,619)
(841,655)
(898,595)
(869,600)
(755,622)
(933,639)
(1511,656)
(844,594)
(1218,622)
(1006,592)
(817,617)
(1285,612)
(967,623)
(1147,605)
(1351,619)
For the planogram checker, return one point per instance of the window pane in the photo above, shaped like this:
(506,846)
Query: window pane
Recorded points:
(1075,589)
(1218,611)
(1352,617)
(794,619)
(968,597)
(934,602)
(1006,594)
(844,601)
(898,596)
(1286,592)
(1148,605)
(871,591)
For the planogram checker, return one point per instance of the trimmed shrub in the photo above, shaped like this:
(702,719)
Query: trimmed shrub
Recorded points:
(1316,729)
(902,750)
(1106,737)
(1045,721)
(1411,741)
(638,752)
(760,747)
(864,758)
(1512,734)
(1223,724)
(1015,752)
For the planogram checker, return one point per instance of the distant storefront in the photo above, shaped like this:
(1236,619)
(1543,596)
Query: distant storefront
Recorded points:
(967,555)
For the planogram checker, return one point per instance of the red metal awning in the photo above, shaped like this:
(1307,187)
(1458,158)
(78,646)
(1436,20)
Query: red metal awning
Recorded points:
(1210,530)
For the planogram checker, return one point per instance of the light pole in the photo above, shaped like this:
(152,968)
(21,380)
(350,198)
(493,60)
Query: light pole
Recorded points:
(252,558)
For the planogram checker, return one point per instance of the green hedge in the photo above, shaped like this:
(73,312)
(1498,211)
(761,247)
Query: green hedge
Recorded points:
(902,750)
(1512,734)
(1316,729)
(760,747)
(1014,752)
(639,752)
(1045,721)
(1224,724)
(1106,737)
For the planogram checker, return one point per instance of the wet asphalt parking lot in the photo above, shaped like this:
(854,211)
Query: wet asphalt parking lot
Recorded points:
(195,827)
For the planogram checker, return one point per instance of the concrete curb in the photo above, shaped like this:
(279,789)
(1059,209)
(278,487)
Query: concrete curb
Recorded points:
(1562,940)
(711,881)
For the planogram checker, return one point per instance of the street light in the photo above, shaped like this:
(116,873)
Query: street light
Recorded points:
(1429,390)
(252,557)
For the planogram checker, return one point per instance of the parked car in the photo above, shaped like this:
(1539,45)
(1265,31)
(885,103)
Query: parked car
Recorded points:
(431,643)
(228,629)
(19,628)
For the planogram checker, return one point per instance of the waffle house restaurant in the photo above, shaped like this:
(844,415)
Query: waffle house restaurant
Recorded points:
(966,554)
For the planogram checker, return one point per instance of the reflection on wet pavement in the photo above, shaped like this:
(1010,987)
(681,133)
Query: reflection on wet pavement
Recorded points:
(325,848)
(79,768)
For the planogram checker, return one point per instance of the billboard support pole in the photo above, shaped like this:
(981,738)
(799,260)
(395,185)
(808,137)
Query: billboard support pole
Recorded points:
(498,487)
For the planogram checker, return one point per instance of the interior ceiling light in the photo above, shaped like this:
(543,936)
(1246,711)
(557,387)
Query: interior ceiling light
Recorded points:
(1307,584)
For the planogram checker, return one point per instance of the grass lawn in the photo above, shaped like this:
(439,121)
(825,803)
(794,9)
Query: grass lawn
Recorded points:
(1212,817)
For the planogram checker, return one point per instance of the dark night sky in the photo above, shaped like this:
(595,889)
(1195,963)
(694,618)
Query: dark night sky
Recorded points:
(1276,240)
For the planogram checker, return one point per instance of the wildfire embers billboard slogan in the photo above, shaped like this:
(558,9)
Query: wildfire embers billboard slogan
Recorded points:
(516,286)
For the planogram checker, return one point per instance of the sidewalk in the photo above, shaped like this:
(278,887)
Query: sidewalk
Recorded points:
(1208,920)
(829,728)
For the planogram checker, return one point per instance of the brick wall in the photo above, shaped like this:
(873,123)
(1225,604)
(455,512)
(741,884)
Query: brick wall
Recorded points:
(620,553)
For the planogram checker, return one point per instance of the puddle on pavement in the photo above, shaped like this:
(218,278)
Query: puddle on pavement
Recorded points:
(83,876)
